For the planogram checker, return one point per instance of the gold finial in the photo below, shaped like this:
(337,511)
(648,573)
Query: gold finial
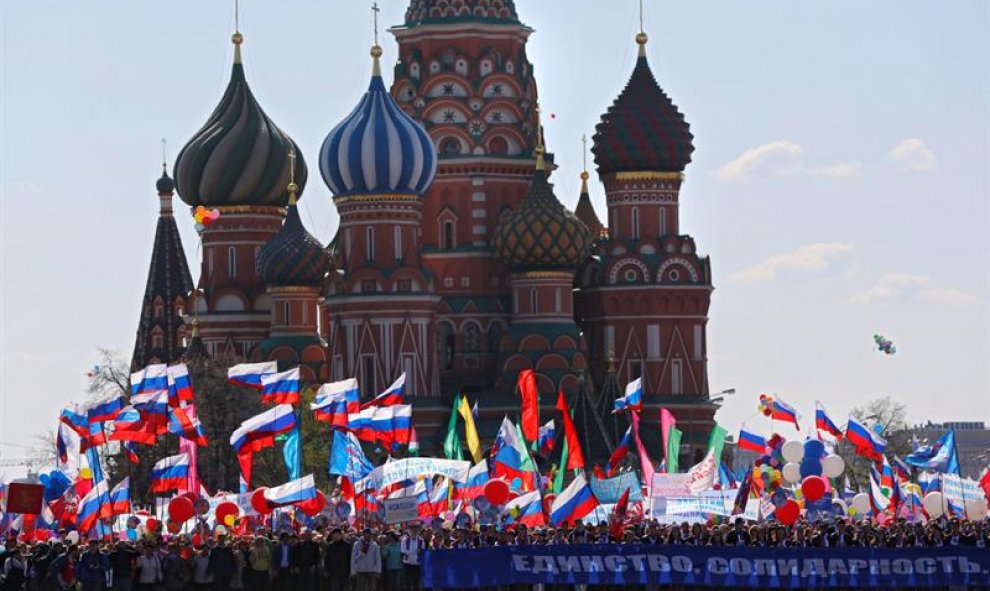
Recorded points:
(237,38)
(293,187)
(539,141)
(376,50)
(584,160)
(641,37)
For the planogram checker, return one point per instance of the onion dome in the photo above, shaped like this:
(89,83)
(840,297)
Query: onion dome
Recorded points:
(585,211)
(378,149)
(293,256)
(642,131)
(541,234)
(239,157)
(165,184)
(422,12)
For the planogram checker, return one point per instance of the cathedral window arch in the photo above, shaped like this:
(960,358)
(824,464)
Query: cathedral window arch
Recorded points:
(663,221)
(557,300)
(510,67)
(414,70)
(634,216)
(450,146)
(159,308)
(633,263)
(533,301)
(485,67)
(157,339)
(448,236)
(180,307)
(498,146)
(231,262)
(679,264)
(434,67)
(461,66)
(397,231)
(369,243)
(286,314)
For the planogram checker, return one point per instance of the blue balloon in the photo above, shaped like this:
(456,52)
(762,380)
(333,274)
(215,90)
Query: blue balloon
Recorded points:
(810,467)
(517,483)
(813,448)
(132,534)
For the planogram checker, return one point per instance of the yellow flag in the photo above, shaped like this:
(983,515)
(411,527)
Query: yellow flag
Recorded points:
(470,432)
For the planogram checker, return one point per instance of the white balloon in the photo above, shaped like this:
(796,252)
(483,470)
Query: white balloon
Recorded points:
(833,466)
(793,451)
(861,503)
(976,509)
(933,504)
(72,537)
(791,472)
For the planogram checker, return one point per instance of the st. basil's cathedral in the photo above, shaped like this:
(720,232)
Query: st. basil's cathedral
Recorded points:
(454,260)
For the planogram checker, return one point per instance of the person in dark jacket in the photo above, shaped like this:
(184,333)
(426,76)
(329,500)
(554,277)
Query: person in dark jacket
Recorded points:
(223,563)
(93,568)
(337,561)
(306,559)
(122,561)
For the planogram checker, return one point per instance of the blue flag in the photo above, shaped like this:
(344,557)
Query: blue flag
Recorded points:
(941,457)
(347,458)
(292,453)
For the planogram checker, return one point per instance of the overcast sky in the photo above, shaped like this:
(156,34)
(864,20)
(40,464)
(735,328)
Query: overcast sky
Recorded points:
(840,181)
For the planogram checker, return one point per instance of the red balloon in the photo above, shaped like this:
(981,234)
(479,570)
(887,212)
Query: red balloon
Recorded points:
(197,540)
(813,488)
(224,509)
(259,503)
(497,491)
(42,535)
(180,509)
(152,524)
(788,513)
(313,506)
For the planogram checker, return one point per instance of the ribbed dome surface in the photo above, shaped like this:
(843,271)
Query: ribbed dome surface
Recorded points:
(541,234)
(293,256)
(378,149)
(239,157)
(165,184)
(642,130)
(439,11)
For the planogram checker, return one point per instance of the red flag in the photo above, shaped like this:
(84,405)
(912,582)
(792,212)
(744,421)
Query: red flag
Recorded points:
(575,459)
(619,516)
(599,473)
(985,484)
(530,405)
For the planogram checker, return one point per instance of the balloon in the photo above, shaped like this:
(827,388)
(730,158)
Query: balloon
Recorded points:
(833,466)
(42,535)
(810,467)
(788,513)
(792,451)
(72,537)
(517,483)
(976,510)
(767,412)
(791,473)
(180,509)
(133,522)
(481,503)
(173,527)
(152,524)
(259,503)
(813,448)
(496,491)
(861,503)
(207,221)
(778,498)
(219,531)
(132,534)
(840,506)
(813,488)
(86,473)
(199,227)
(229,520)
(226,508)
(933,504)
(515,512)
(197,540)
(214,214)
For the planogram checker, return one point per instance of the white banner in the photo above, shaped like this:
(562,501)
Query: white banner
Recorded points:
(400,510)
(411,468)
(698,508)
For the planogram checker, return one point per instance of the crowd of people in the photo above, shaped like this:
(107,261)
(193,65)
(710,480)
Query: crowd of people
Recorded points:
(389,559)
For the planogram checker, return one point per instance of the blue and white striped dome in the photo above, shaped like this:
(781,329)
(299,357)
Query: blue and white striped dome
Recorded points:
(378,149)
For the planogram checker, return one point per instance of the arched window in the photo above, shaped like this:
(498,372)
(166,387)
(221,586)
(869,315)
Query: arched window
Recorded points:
(447,238)
(557,300)
(450,145)
(398,243)
(369,243)
(231,262)
(159,308)
(532,301)
(498,146)
(286,314)
(635,223)
(663,221)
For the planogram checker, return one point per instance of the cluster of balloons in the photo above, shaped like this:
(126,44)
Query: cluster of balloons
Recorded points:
(204,218)
(93,371)
(766,405)
(884,344)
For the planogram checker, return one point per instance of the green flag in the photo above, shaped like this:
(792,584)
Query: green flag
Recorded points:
(558,481)
(452,444)
(673,450)
(716,441)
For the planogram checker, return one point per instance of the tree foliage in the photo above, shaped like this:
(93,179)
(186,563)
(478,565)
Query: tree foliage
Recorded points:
(890,416)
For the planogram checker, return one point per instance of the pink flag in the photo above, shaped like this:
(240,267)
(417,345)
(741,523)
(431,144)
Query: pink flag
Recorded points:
(644,458)
(667,422)
(190,448)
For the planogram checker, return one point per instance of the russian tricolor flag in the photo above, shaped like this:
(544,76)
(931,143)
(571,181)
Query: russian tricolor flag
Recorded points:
(131,426)
(633,398)
(179,386)
(751,441)
(153,407)
(249,374)
(530,506)
(394,395)
(150,379)
(388,425)
(867,443)
(60,443)
(510,457)
(290,493)
(575,502)
(782,411)
(106,410)
(75,419)
(474,486)
(131,451)
(824,424)
(182,421)
(335,401)
(120,497)
(546,438)
(260,430)
(171,473)
(620,453)
(281,388)
(94,505)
